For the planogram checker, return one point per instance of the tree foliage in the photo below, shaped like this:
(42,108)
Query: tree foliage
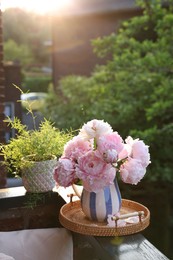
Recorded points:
(28,31)
(134,90)
(17,53)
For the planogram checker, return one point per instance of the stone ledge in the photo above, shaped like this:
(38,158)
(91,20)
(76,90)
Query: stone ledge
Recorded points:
(23,210)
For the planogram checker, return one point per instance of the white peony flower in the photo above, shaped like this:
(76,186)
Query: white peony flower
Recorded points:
(94,129)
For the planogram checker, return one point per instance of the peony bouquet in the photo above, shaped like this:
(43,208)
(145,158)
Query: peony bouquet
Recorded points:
(97,154)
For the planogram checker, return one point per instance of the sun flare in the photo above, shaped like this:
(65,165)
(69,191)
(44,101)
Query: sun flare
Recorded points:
(39,6)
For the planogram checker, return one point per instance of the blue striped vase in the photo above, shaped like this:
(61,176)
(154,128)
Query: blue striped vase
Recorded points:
(97,206)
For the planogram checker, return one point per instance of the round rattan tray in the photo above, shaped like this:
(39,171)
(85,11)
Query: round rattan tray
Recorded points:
(72,217)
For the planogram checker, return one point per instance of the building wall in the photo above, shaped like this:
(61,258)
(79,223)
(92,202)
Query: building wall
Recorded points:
(72,52)
(9,75)
(2,99)
(2,86)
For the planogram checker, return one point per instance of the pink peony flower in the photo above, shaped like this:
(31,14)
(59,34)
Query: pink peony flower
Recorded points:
(94,129)
(76,148)
(132,171)
(64,173)
(138,150)
(125,152)
(97,153)
(110,156)
(94,172)
(110,142)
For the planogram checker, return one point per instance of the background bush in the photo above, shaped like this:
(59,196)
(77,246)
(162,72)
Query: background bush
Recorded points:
(36,84)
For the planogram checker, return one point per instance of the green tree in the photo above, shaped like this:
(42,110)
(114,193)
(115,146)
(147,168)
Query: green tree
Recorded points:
(15,52)
(29,29)
(141,70)
(134,90)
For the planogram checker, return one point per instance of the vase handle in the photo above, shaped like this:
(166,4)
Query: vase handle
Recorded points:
(77,190)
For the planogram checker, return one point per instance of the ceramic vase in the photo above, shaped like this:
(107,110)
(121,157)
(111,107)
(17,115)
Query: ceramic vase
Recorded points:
(97,206)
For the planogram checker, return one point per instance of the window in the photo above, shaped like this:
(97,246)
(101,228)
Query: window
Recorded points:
(9,112)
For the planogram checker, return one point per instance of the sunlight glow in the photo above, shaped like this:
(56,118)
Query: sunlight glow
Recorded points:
(39,6)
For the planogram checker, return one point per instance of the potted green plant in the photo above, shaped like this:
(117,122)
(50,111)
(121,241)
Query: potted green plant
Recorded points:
(33,154)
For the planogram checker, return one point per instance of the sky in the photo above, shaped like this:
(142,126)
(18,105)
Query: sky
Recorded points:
(39,6)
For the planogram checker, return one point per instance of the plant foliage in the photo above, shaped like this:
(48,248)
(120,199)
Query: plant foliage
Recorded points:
(41,144)
(36,84)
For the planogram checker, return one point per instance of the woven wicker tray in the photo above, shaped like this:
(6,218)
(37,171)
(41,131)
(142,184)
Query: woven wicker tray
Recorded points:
(72,217)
